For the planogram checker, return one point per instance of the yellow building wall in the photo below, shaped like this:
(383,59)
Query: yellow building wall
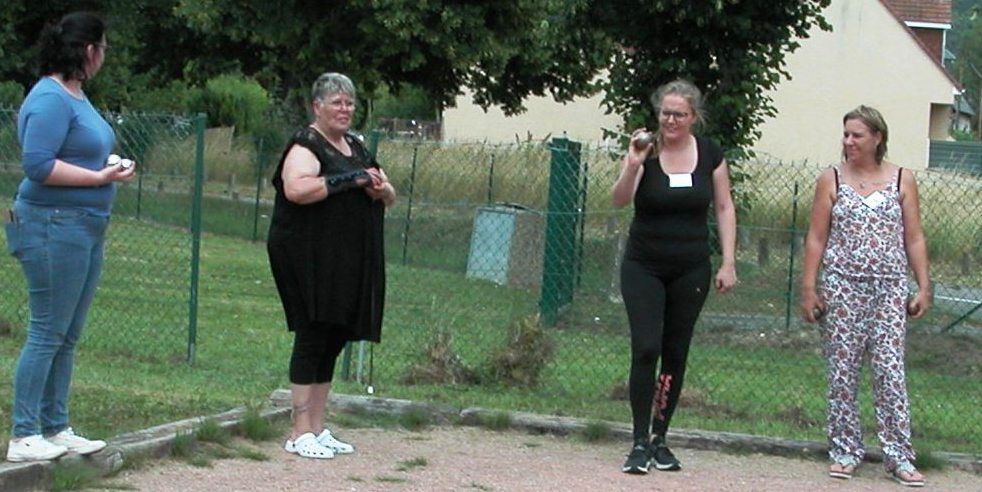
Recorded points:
(582,120)
(869,59)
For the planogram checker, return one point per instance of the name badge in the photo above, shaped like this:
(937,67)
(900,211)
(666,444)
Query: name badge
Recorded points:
(680,180)
(874,199)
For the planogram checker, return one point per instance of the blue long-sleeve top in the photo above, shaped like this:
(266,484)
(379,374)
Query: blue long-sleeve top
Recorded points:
(54,124)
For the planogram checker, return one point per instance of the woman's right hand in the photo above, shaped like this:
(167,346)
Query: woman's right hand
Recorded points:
(812,306)
(636,156)
(112,174)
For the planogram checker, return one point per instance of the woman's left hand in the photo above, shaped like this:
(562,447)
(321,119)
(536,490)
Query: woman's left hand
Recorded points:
(726,278)
(919,304)
(380,189)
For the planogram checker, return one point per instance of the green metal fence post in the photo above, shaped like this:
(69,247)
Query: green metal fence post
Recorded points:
(491,179)
(789,295)
(562,219)
(409,207)
(199,176)
(260,167)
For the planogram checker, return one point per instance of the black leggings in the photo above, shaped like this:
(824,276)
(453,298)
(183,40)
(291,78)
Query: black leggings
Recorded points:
(663,304)
(314,353)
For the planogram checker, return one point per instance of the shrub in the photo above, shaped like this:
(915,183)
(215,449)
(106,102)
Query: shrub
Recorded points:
(528,350)
(232,100)
(171,98)
(442,364)
(11,94)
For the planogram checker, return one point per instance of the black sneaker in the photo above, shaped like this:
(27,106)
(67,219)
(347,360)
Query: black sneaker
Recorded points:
(663,457)
(638,461)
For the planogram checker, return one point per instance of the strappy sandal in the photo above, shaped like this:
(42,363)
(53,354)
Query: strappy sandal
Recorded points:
(905,474)
(843,468)
(307,446)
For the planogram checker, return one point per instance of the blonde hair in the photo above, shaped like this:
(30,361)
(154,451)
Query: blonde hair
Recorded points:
(875,122)
(684,89)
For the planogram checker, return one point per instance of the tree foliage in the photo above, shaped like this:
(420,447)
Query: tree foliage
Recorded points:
(967,45)
(733,50)
(502,50)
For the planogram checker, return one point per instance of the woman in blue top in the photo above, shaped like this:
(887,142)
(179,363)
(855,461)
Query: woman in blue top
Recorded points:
(58,232)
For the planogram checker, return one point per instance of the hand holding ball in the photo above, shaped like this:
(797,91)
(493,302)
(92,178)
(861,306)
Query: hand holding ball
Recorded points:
(115,160)
(911,308)
(642,140)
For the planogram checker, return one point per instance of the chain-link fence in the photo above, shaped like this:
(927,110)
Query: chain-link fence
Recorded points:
(511,285)
(503,280)
(147,299)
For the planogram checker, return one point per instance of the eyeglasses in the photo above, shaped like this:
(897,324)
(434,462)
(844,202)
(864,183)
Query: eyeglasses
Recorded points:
(103,46)
(678,115)
(339,103)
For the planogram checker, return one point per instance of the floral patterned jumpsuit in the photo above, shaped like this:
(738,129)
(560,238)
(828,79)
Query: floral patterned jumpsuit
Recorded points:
(865,289)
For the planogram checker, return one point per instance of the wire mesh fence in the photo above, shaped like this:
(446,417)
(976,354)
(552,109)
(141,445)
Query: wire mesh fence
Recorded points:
(145,304)
(503,280)
(518,249)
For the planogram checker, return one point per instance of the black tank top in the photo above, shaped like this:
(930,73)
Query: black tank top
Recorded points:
(669,223)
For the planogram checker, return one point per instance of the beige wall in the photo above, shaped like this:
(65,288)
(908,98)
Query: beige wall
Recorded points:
(582,120)
(870,59)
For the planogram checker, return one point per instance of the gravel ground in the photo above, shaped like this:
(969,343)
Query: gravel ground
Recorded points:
(469,458)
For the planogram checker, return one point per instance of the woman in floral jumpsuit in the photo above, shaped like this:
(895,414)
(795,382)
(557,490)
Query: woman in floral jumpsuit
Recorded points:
(865,231)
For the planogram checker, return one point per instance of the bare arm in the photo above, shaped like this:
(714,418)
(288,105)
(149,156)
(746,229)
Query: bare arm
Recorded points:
(67,174)
(726,225)
(301,183)
(632,168)
(915,243)
(815,243)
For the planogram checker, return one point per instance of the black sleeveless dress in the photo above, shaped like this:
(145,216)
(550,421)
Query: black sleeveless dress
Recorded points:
(327,257)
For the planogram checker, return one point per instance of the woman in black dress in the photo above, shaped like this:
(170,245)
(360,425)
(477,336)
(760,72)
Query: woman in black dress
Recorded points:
(326,253)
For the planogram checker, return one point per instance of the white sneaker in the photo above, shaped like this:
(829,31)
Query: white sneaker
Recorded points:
(33,448)
(76,443)
(329,441)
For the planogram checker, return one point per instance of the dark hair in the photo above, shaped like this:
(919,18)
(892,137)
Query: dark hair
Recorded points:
(63,45)
(875,122)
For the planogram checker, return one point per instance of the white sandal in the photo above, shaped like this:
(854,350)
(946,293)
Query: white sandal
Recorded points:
(330,442)
(307,446)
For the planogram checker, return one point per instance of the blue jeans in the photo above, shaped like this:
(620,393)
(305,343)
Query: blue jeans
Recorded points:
(60,251)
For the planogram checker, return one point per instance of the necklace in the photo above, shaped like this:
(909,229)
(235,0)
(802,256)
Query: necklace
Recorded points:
(864,184)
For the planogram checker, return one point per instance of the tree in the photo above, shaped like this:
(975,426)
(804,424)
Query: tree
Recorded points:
(734,50)
(150,47)
(498,48)
(967,45)
(503,50)
(506,50)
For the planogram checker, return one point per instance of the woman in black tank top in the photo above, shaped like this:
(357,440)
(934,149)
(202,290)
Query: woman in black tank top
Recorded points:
(665,274)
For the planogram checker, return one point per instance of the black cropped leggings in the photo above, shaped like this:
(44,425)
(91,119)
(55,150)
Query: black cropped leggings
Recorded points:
(663,304)
(315,352)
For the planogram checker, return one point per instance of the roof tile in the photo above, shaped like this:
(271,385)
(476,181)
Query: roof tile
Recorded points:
(938,11)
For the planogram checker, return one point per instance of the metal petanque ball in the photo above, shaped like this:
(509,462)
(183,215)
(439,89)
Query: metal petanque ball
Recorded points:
(643,140)
(115,160)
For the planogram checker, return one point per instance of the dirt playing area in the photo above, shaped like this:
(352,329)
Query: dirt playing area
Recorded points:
(470,458)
